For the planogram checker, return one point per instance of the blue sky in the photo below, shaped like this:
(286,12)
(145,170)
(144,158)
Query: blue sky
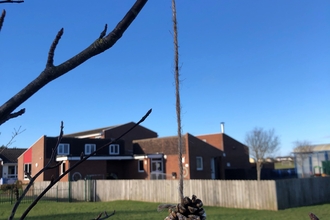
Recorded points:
(254,63)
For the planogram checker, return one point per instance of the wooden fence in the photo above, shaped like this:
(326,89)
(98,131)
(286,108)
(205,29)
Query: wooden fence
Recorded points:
(267,195)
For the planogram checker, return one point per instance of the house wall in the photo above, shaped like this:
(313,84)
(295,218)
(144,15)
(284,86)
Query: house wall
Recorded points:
(172,166)
(95,169)
(312,164)
(132,171)
(236,153)
(37,160)
(1,169)
(215,140)
(137,133)
(200,148)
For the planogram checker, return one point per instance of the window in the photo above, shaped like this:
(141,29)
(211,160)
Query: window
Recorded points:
(140,166)
(63,149)
(27,169)
(62,168)
(157,165)
(199,163)
(90,148)
(12,172)
(114,149)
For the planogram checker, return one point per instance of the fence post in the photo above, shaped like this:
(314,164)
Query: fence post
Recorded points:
(94,190)
(56,192)
(11,196)
(69,191)
(85,190)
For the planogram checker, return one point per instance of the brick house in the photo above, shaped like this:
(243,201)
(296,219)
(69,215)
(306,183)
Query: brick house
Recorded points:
(114,161)
(138,155)
(200,159)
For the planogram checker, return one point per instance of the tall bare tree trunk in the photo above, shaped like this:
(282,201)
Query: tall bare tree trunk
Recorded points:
(259,166)
(177,96)
(302,170)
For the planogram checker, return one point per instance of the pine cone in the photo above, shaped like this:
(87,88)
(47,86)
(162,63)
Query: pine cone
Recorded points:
(189,209)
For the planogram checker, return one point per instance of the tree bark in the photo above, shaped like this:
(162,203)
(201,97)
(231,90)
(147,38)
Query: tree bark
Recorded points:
(258,166)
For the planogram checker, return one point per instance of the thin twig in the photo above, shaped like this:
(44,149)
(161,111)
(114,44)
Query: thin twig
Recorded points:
(104,32)
(14,134)
(50,60)
(52,183)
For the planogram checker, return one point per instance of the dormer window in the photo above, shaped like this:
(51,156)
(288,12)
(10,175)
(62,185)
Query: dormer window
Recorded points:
(89,148)
(63,149)
(114,149)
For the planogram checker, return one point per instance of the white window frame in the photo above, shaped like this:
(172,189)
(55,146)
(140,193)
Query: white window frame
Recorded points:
(141,169)
(61,149)
(200,159)
(63,168)
(28,168)
(114,149)
(89,148)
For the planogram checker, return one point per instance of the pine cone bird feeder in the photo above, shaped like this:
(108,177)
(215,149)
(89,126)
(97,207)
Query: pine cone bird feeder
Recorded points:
(188,209)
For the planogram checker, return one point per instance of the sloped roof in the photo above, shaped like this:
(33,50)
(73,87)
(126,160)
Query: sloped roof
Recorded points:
(10,155)
(321,147)
(93,131)
(165,145)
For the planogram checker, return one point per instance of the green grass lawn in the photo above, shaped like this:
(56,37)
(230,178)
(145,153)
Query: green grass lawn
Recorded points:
(284,165)
(146,210)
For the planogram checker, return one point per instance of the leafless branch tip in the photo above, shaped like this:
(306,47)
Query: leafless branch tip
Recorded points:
(104,32)
(50,60)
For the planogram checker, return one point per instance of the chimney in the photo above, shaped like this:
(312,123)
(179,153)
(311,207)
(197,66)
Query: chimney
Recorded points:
(222,125)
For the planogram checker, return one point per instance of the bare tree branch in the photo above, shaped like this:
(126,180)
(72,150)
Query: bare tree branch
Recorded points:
(261,143)
(2,18)
(11,1)
(52,72)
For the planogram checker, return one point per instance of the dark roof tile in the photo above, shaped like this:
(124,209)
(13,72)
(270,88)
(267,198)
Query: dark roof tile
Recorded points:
(10,155)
